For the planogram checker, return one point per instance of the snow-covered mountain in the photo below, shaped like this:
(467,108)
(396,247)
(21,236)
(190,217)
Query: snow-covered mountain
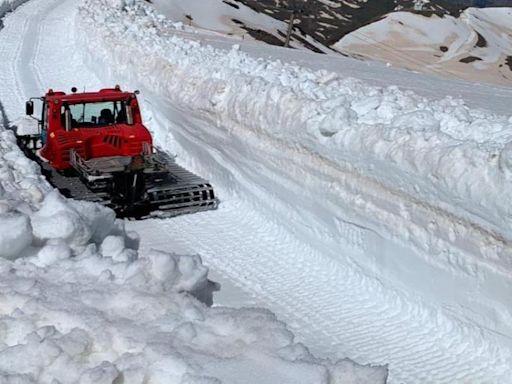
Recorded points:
(437,36)
(476,45)
(328,21)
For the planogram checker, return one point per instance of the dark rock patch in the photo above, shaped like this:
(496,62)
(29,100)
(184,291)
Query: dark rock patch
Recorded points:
(262,35)
(481,42)
(470,59)
(508,61)
(236,6)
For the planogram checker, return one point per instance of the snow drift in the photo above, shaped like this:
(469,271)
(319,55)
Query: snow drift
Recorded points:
(412,187)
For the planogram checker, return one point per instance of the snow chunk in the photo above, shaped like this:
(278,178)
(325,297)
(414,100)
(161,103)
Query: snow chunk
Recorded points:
(15,235)
(114,247)
(142,324)
(26,126)
(57,220)
(506,160)
(346,372)
(52,253)
(417,121)
(105,373)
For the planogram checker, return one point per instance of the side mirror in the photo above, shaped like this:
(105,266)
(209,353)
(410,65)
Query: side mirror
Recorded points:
(29,108)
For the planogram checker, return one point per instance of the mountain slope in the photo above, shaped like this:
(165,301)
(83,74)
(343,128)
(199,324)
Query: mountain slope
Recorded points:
(437,36)
(476,45)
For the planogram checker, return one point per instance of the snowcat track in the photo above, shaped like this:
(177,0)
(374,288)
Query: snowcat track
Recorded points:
(179,192)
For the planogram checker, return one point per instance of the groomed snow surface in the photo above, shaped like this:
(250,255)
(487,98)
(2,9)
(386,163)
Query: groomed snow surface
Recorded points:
(357,213)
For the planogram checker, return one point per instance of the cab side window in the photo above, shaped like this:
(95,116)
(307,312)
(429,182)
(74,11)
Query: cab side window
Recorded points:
(44,123)
(44,118)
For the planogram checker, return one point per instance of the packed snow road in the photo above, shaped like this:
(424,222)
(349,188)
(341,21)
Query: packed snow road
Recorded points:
(331,304)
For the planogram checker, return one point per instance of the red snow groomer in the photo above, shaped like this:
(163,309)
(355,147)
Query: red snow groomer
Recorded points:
(93,146)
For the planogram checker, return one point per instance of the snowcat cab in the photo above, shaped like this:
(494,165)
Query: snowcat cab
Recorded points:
(94,146)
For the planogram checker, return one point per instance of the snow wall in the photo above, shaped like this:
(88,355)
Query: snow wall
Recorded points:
(408,190)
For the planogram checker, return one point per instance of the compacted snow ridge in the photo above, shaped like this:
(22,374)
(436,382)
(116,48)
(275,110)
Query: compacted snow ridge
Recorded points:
(394,199)
(79,303)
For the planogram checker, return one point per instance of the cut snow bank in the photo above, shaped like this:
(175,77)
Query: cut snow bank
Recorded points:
(78,303)
(413,187)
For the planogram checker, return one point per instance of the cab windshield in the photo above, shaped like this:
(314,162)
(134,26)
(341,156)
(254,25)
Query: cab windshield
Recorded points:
(90,115)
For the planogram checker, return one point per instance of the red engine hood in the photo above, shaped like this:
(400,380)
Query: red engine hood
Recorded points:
(118,140)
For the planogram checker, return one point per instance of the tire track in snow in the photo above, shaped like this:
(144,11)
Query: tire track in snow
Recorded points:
(17,68)
(31,64)
(10,53)
(65,69)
